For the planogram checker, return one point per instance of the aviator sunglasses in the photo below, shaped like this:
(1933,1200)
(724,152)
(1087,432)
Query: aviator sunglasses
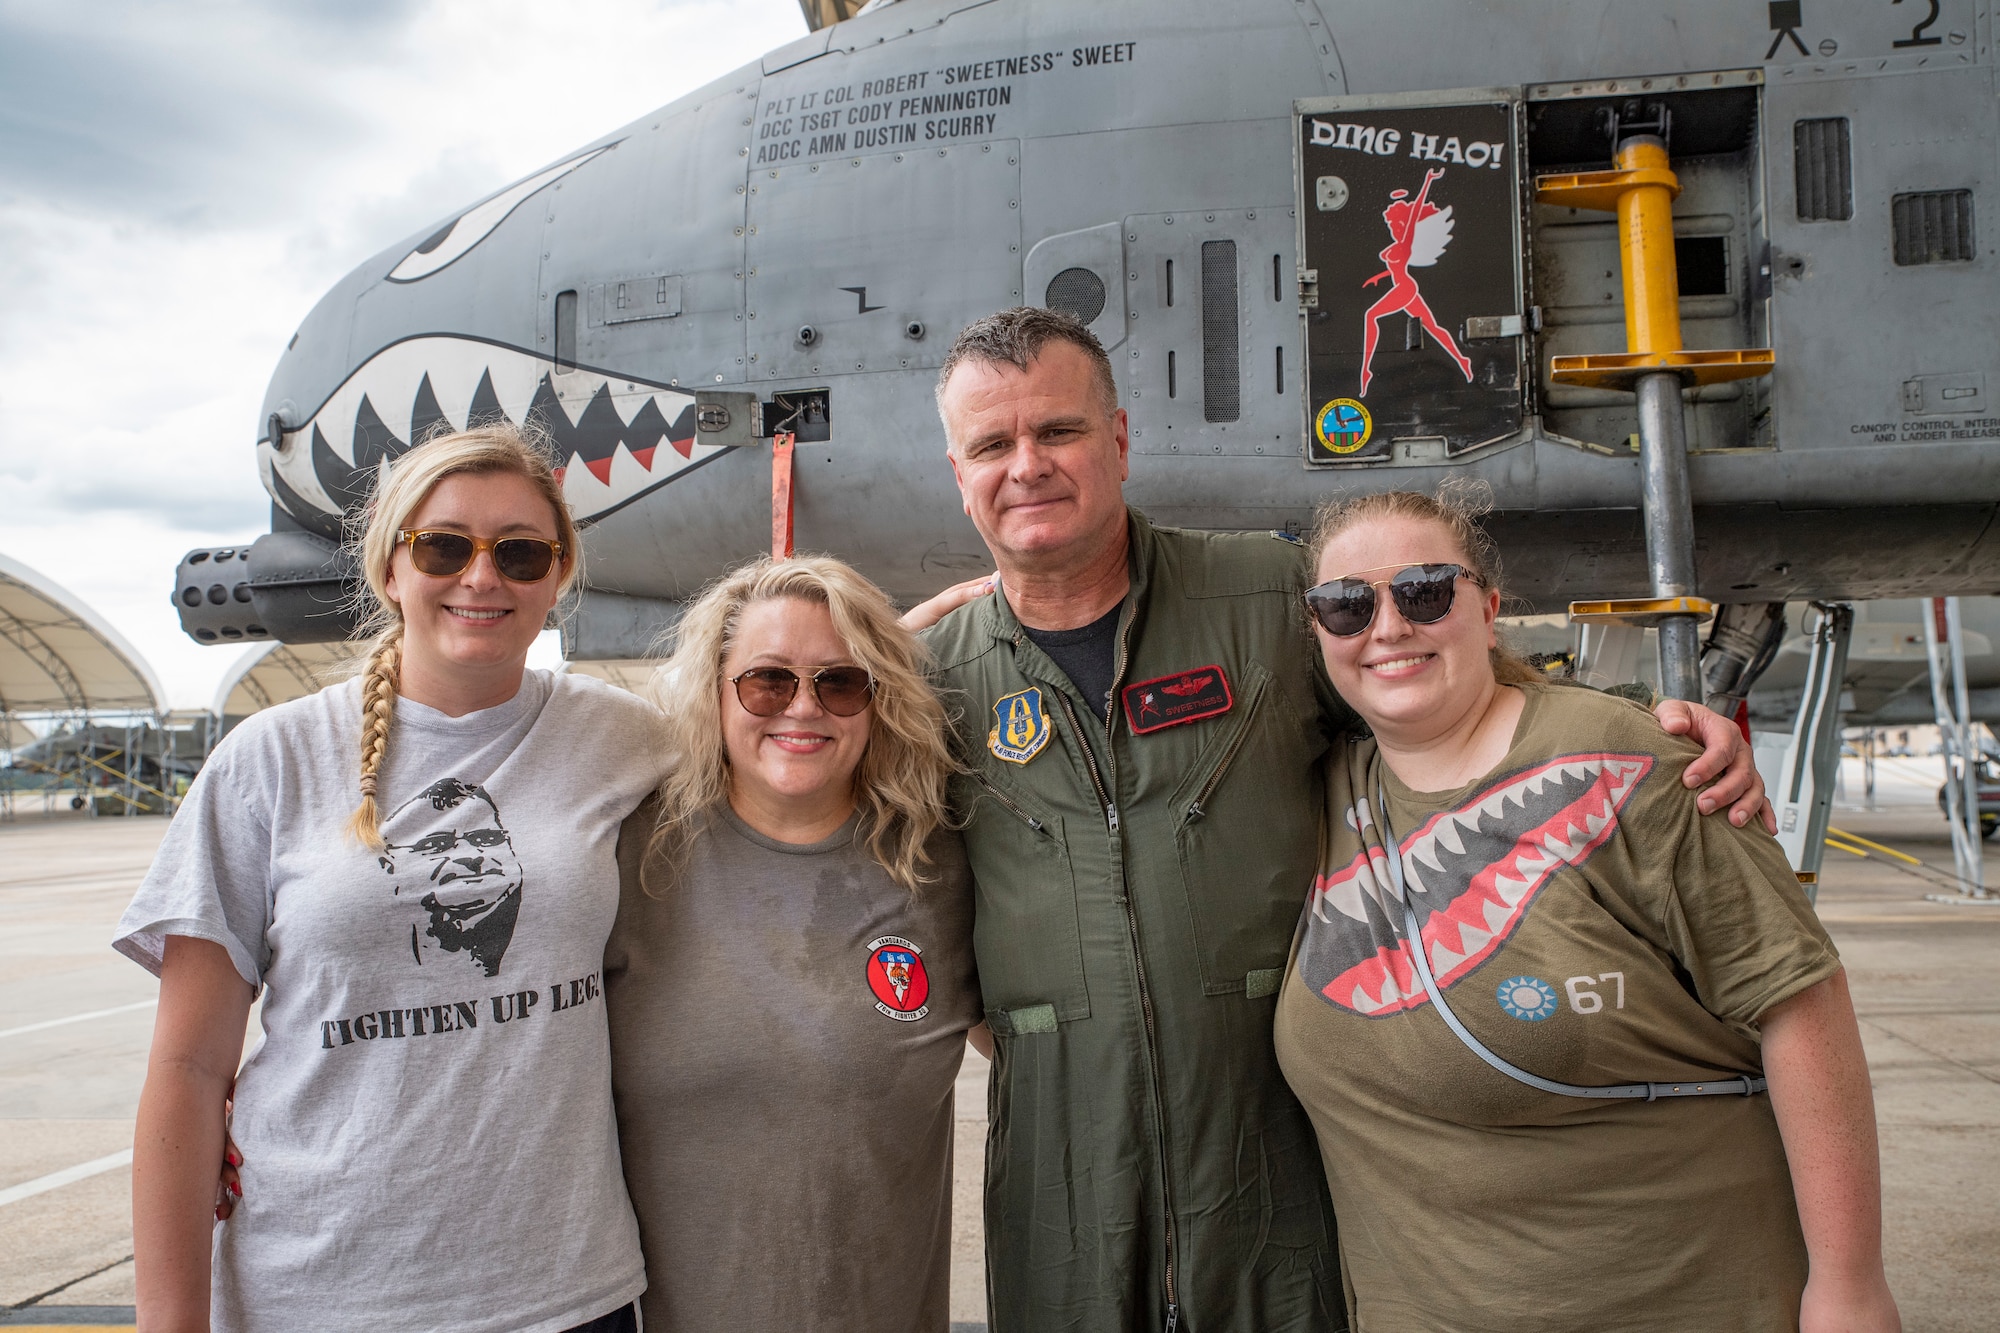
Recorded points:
(768,691)
(444,554)
(1423,594)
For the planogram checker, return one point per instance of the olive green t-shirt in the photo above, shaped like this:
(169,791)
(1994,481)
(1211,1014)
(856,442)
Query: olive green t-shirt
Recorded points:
(1588,925)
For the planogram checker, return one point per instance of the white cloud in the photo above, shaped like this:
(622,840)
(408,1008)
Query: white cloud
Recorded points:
(178,185)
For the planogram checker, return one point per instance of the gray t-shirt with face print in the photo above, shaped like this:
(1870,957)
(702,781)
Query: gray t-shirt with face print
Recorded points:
(426,1122)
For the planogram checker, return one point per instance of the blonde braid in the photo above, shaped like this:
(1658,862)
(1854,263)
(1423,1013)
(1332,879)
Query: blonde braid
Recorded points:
(378,706)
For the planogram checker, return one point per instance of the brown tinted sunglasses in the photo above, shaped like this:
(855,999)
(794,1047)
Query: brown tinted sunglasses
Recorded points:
(768,691)
(446,554)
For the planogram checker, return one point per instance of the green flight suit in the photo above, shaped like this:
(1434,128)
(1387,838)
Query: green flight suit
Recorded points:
(1145,1155)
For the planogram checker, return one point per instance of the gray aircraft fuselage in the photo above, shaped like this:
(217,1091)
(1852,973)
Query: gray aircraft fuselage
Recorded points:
(802,237)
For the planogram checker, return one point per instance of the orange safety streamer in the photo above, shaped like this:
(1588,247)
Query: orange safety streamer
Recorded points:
(781,495)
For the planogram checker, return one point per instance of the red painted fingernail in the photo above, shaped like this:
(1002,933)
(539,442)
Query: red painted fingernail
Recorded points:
(235,1158)
(220,1215)
(236,1189)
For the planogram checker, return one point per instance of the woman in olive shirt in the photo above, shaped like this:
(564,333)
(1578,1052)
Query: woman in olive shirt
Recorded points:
(1524,951)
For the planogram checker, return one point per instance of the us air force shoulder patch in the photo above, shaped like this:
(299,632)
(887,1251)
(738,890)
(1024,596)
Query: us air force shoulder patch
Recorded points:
(1020,727)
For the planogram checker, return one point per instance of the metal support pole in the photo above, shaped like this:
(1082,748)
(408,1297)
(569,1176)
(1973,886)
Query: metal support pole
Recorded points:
(1968,744)
(1945,648)
(1669,515)
(1804,791)
(1641,190)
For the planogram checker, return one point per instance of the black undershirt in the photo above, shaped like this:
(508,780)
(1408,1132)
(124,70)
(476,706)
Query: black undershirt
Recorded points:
(1088,655)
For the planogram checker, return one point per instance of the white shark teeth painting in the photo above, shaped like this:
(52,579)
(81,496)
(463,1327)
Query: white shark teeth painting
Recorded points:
(615,437)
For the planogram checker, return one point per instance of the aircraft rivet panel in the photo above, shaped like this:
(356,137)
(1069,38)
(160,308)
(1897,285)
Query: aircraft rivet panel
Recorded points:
(862,249)
(1211,300)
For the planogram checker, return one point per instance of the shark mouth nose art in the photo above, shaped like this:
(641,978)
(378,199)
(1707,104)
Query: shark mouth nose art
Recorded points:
(1472,872)
(608,430)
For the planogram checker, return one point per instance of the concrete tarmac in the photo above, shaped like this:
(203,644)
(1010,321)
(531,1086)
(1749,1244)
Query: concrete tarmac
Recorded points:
(75,1022)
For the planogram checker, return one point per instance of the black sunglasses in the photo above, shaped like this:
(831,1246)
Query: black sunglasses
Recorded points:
(768,691)
(446,554)
(1423,594)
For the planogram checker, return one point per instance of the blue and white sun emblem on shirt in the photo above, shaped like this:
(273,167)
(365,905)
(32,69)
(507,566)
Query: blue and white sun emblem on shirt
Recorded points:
(1528,998)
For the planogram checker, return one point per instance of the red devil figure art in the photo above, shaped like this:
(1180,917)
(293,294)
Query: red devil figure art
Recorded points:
(1421,230)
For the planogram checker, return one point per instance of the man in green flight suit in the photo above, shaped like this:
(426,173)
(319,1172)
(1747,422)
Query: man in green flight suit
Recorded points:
(1142,717)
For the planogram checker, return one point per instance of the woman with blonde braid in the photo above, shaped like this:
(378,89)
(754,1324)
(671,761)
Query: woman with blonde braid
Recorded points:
(426,1127)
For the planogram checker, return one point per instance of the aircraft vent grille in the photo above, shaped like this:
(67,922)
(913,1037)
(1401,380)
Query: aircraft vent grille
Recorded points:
(1824,172)
(1076,292)
(1221,371)
(1934,227)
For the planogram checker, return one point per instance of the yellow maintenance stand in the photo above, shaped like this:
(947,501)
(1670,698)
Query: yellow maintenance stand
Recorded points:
(1641,189)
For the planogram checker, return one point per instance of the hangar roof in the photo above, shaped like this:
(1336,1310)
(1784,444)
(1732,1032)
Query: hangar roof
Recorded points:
(59,656)
(276,673)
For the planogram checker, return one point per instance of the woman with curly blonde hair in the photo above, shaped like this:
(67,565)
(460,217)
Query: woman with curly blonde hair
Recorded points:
(417,870)
(790,980)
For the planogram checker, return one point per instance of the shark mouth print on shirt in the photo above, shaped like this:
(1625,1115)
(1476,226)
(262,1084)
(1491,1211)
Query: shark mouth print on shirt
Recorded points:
(1473,873)
(608,429)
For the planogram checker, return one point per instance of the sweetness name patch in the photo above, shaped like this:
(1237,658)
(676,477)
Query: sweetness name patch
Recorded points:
(1185,696)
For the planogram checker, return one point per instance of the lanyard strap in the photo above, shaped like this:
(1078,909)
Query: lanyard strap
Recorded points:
(1732,1085)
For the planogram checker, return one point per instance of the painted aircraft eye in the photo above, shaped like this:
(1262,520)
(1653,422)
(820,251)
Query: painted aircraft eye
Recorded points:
(456,238)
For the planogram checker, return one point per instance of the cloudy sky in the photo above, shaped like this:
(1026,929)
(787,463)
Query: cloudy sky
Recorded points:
(180,182)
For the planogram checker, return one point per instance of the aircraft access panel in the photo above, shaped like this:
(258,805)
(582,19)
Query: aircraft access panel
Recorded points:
(1410,224)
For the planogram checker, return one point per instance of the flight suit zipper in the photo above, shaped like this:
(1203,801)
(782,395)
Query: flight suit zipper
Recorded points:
(1147,1020)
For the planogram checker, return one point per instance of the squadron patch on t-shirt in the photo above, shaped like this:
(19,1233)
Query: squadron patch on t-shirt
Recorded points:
(454,871)
(896,975)
(1473,871)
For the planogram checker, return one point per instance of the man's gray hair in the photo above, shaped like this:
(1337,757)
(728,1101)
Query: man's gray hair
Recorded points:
(1017,336)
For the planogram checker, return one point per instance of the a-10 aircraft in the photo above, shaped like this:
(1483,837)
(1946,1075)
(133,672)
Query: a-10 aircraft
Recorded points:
(1364,245)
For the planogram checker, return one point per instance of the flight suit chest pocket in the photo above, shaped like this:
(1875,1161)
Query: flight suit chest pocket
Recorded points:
(1025,930)
(1245,834)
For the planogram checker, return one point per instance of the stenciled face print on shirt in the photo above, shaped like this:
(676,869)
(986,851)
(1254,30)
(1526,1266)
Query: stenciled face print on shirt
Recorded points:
(1472,873)
(455,875)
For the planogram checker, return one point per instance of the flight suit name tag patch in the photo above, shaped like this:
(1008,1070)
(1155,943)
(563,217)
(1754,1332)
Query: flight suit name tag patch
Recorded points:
(1185,696)
(1020,726)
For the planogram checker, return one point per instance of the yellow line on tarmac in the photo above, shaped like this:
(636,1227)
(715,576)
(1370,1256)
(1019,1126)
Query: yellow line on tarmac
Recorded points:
(1874,846)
